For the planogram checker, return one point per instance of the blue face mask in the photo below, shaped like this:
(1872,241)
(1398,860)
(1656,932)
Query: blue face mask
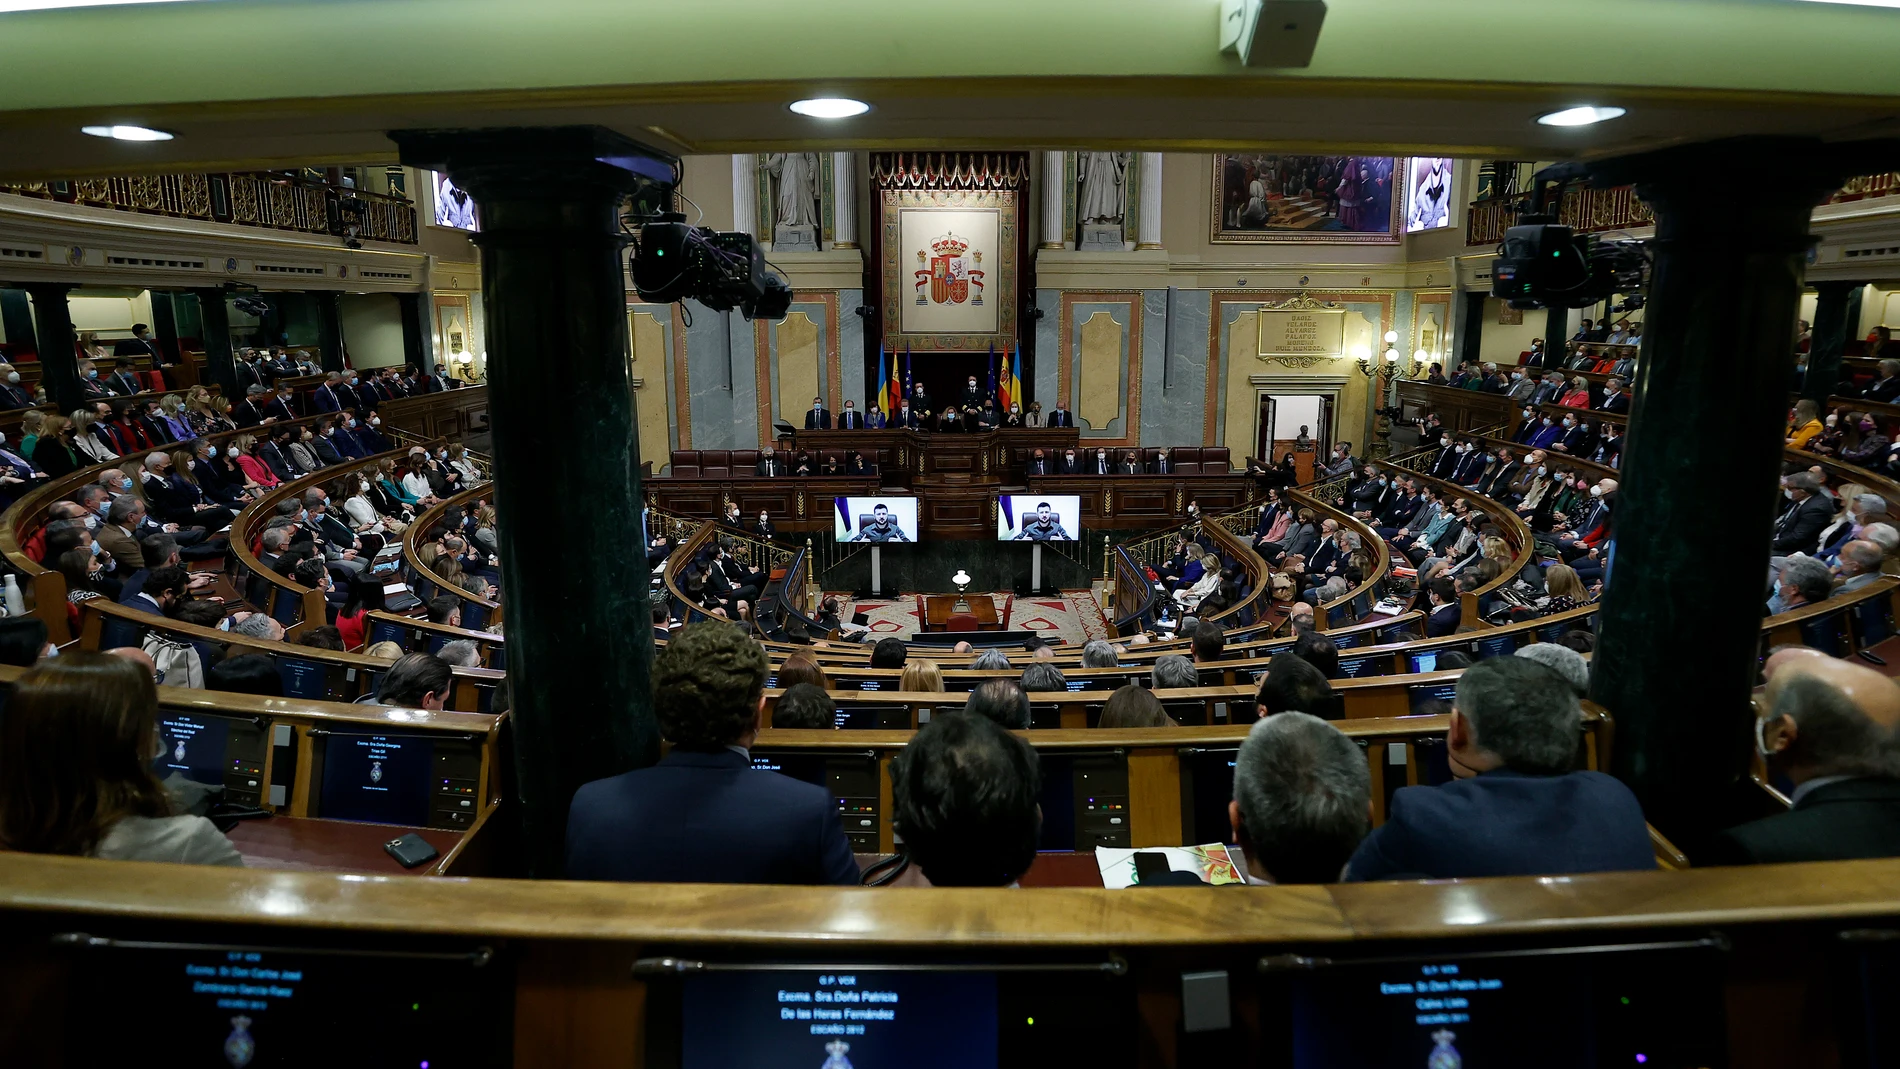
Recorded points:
(96,549)
(351,424)
(105,506)
(213,453)
(352,380)
(93,374)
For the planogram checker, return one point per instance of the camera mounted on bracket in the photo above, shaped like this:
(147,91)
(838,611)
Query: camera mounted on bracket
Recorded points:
(1543,264)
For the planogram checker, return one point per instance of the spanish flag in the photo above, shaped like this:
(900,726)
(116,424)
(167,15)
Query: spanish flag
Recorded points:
(1009,388)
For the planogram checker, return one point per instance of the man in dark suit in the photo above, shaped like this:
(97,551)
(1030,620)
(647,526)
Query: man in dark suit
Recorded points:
(1070,464)
(1470,465)
(1160,465)
(1442,596)
(818,419)
(1614,399)
(1800,524)
(123,382)
(346,393)
(281,407)
(770,466)
(1830,730)
(12,394)
(972,395)
(326,397)
(1514,808)
(1495,481)
(1101,465)
(1038,464)
(703,814)
(851,419)
(905,416)
(139,344)
(1060,417)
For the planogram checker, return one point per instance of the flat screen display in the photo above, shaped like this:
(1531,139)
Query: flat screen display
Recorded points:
(194,746)
(1426,694)
(1427,193)
(378,779)
(874,519)
(813,1019)
(1502,646)
(1038,518)
(453,206)
(1643,1009)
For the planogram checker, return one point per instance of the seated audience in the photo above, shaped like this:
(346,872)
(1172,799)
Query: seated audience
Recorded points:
(921,674)
(703,814)
(1803,581)
(964,802)
(1209,642)
(1516,807)
(804,706)
(415,681)
(76,778)
(1316,649)
(889,653)
(1098,653)
(991,660)
(1041,676)
(1562,660)
(1830,729)
(1302,800)
(246,673)
(1173,672)
(802,668)
(1001,700)
(1133,706)
(1292,685)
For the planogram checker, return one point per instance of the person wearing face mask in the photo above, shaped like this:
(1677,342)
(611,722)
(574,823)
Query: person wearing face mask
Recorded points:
(1521,386)
(16,473)
(1536,482)
(1575,436)
(303,451)
(1547,432)
(11,395)
(1470,466)
(369,433)
(1497,478)
(1614,399)
(818,417)
(972,394)
(346,436)
(1806,515)
(1014,417)
(850,419)
(90,387)
(905,417)
(1101,465)
(1872,449)
(1582,540)
(1826,727)
(1060,415)
(283,406)
(1446,460)
(323,443)
(1038,464)
(764,528)
(873,417)
(949,421)
(1070,464)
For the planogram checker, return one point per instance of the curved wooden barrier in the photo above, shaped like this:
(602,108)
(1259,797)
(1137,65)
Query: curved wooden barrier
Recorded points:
(286,594)
(43,586)
(425,521)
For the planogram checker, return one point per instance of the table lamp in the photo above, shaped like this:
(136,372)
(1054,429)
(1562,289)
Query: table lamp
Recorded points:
(962,580)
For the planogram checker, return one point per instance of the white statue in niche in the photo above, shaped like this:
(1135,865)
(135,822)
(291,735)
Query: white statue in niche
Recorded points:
(797,174)
(1103,198)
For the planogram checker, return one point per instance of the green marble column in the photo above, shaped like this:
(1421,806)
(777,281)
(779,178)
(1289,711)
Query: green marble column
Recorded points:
(567,463)
(329,329)
(1829,340)
(415,332)
(215,318)
(53,326)
(1680,624)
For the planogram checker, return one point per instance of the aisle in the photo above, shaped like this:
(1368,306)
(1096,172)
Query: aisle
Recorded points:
(1073,618)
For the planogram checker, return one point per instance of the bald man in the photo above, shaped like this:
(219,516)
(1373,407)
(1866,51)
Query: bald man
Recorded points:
(1830,727)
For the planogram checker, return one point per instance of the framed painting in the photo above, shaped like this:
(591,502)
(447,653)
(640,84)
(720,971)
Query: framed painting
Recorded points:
(1260,198)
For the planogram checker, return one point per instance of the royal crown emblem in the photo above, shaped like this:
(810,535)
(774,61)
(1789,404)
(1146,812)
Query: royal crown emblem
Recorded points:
(375,771)
(1443,1054)
(950,278)
(239,1047)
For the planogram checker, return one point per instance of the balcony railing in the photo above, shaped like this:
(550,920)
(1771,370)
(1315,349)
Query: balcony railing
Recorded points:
(1600,210)
(270,200)
(1585,210)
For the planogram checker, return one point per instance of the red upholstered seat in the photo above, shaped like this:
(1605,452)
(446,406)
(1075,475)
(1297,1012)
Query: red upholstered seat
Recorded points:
(1214,460)
(714,463)
(744,462)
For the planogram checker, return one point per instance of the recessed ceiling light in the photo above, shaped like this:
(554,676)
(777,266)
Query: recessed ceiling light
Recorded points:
(830,107)
(1580,116)
(49,5)
(127,133)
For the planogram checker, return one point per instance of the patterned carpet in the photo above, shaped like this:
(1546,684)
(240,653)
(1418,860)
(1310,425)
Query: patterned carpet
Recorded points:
(1073,618)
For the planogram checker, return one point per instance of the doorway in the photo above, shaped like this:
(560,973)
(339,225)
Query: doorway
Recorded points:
(1282,416)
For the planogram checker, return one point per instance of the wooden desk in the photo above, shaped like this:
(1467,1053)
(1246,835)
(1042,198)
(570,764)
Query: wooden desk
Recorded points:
(939,608)
(332,845)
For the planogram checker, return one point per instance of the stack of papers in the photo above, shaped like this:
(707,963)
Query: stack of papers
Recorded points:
(1211,863)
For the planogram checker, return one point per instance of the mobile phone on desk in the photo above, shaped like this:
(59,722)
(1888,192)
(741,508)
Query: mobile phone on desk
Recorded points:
(1149,864)
(410,850)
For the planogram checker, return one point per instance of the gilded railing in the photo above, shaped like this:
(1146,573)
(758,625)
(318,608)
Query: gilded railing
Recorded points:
(1588,211)
(270,199)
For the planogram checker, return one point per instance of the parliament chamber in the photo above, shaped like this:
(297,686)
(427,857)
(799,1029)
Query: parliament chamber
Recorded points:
(1306,534)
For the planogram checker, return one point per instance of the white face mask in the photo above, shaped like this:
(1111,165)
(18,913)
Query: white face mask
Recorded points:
(1596,491)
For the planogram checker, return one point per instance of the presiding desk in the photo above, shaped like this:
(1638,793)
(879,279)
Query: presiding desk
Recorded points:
(940,608)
